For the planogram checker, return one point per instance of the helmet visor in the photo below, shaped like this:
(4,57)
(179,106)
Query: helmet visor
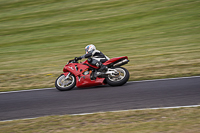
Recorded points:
(86,49)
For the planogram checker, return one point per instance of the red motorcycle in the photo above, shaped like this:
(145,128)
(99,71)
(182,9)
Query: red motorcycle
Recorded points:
(85,75)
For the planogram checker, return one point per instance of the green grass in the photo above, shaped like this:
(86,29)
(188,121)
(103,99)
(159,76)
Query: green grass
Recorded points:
(37,38)
(183,120)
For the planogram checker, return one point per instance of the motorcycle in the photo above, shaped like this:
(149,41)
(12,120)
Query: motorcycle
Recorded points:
(86,75)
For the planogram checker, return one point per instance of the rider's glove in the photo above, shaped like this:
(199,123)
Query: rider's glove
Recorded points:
(77,58)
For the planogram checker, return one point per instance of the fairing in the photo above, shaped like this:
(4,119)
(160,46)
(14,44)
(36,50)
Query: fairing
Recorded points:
(82,80)
(115,59)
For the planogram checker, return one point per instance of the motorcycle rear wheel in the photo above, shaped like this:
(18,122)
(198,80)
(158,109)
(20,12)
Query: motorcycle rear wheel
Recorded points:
(119,79)
(63,84)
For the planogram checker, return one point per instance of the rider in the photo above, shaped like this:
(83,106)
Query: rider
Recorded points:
(95,57)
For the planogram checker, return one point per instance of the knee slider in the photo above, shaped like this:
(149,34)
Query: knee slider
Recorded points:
(97,64)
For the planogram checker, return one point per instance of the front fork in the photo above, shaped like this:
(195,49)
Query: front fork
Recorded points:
(67,76)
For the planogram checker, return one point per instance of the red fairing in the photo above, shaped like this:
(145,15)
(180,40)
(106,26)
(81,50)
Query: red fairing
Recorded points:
(72,67)
(77,69)
(115,59)
(85,81)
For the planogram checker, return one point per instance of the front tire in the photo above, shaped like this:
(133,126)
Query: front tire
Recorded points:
(119,79)
(63,84)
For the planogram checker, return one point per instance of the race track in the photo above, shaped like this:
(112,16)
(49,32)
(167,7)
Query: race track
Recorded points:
(133,95)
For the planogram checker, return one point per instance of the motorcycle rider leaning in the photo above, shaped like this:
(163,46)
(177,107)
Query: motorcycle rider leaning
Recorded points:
(95,57)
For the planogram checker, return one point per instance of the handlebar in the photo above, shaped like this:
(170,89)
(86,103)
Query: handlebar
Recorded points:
(73,61)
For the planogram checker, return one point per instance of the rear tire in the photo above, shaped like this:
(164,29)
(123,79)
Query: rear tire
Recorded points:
(63,84)
(119,79)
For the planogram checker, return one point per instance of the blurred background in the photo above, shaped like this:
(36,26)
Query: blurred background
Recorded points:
(38,37)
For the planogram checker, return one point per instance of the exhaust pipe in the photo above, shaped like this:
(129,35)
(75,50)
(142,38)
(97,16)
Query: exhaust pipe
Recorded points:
(125,61)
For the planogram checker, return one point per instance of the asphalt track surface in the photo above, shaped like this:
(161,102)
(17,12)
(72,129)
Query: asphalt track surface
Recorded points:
(133,95)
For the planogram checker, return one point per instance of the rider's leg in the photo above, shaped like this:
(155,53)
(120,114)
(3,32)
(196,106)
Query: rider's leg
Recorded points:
(98,64)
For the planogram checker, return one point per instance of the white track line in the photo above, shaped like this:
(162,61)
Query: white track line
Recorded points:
(189,106)
(174,107)
(26,90)
(128,82)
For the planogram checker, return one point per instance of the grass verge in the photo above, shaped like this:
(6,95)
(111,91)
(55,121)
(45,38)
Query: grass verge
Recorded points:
(184,120)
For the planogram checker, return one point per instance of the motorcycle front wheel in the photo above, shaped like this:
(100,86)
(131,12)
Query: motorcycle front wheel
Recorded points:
(63,84)
(118,79)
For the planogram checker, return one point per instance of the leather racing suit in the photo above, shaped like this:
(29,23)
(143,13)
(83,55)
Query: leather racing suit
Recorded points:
(96,58)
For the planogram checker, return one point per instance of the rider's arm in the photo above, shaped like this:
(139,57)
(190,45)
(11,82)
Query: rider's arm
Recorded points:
(85,56)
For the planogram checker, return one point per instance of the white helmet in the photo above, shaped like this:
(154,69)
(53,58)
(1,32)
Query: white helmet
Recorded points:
(90,48)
